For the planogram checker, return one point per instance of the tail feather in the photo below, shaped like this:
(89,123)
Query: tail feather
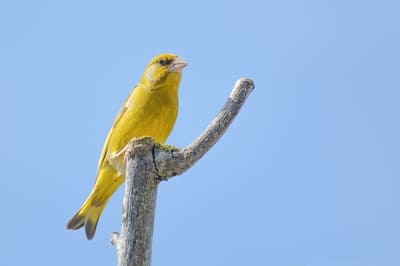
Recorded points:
(88,215)
(92,219)
(76,222)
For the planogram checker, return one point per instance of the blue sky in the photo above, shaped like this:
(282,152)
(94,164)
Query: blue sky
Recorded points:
(307,175)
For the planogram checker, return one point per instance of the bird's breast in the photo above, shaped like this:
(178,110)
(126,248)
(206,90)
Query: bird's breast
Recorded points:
(150,114)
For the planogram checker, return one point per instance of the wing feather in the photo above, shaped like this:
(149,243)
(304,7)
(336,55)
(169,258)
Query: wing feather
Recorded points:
(127,104)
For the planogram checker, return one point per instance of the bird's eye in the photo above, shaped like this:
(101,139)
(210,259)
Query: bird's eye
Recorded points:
(163,62)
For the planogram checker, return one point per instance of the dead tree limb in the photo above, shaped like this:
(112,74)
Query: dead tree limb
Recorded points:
(148,163)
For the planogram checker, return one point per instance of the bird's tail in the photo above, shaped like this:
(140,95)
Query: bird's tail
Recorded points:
(89,213)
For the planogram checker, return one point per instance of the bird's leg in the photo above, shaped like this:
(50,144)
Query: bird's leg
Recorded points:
(120,152)
(117,160)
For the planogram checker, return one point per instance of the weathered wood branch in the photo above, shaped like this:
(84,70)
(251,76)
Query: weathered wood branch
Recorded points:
(148,163)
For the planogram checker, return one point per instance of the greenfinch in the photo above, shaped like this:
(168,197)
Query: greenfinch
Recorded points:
(149,110)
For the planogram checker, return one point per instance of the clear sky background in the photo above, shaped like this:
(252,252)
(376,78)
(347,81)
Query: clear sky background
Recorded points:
(307,175)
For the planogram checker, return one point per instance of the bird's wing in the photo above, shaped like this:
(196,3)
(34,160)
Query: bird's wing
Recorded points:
(120,114)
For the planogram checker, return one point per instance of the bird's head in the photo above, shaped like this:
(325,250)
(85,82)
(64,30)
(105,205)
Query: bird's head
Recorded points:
(164,69)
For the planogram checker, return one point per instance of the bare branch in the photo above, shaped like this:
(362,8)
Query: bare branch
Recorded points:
(147,164)
(183,159)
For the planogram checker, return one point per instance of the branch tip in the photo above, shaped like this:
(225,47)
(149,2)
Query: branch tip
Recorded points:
(245,84)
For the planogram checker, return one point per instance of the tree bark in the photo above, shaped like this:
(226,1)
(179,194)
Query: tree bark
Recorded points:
(148,163)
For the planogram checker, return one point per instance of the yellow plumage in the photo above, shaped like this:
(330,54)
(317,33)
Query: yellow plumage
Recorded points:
(150,110)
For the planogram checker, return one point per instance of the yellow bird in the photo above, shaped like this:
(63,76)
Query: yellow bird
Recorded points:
(150,110)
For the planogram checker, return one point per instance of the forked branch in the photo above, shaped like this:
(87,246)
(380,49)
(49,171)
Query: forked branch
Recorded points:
(148,163)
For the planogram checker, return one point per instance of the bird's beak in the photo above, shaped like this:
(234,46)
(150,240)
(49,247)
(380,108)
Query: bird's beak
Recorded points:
(177,65)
